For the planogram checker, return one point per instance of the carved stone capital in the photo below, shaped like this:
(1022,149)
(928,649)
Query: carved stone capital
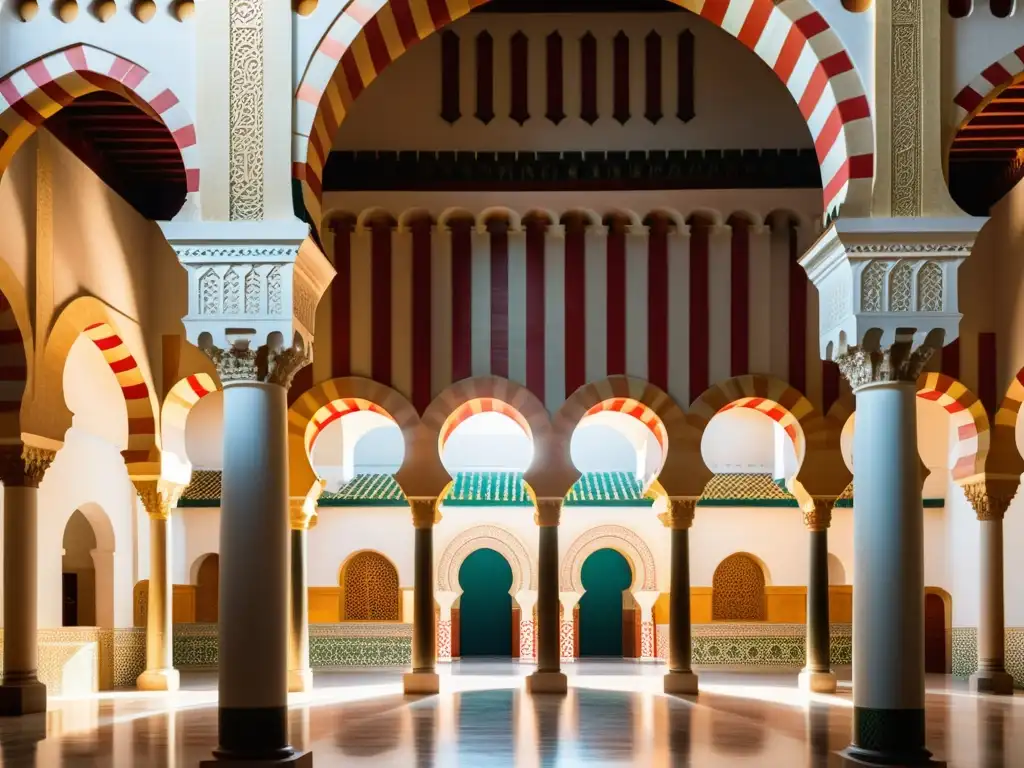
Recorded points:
(818,516)
(988,503)
(236,363)
(283,364)
(302,513)
(897,363)
(680,513)
(158,497)
(425,512)
(548,512)
(24,465)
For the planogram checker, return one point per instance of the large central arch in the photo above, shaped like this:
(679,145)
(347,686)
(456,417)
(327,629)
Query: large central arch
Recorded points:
(791,37)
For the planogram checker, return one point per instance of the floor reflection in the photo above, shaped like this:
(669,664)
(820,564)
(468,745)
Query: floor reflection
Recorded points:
(608,718)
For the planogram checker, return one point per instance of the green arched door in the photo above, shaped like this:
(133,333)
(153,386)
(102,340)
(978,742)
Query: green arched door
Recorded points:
(606,574)
(485,608)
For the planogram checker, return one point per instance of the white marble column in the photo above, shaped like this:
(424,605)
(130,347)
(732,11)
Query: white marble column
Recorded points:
(990,502)
(254,554)
(23,467)
(888,588)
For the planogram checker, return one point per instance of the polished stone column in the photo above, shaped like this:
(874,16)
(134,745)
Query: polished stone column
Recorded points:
(817,675)
(302,517)
(888,589)
(423,679)
(22,467)
(160,675)
(549,677)
(254,554)
(990,508)
(680,678)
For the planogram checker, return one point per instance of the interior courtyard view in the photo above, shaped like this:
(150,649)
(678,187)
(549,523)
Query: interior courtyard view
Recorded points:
(474,383)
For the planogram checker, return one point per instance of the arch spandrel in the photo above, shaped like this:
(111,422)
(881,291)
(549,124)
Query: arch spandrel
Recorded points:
(626,542)
(550,474)
(502,541)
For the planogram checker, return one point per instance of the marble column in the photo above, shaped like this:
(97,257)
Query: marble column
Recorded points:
(549,677)
(680,678)
(23,467)
(423,679)
(990,508)
(888,588)
(302,517)
(817,675)
(254,554)
(158,500)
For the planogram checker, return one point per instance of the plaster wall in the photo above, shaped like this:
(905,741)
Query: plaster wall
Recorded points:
(402,108)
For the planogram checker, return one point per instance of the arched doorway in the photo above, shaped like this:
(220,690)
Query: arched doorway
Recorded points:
(606,574)
(934,634)
(208,590)
(485,607)
(87,569)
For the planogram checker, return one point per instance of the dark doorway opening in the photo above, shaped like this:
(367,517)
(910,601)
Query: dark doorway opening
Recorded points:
(485,607)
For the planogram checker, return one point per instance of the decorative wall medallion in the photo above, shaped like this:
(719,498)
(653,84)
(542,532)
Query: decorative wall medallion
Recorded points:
(245,108)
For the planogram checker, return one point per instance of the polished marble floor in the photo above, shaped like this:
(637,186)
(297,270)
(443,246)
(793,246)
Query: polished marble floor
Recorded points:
(613,715)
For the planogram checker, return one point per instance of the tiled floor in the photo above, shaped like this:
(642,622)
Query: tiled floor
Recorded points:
(613,716)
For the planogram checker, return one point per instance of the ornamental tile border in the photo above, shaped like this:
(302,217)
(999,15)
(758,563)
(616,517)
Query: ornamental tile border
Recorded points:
(758,644)
(965,653)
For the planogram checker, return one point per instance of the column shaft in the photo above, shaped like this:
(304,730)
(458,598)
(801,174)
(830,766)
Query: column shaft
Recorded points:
(159,674)
(300,677)
(21,692)
(253,714)
(991,632)
(818,656)
(424,645)
(888,592)
(680,642)
(548,624)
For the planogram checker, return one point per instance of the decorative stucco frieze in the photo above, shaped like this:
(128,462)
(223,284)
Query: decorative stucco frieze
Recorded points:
(245,110)
(906,150)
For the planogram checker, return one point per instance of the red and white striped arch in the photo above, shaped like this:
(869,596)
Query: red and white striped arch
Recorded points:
(789,36)
(967,414)
(142,444)
(480,405)
(776,399)
(996,75)
(638,411)
(180,401)
(39,89)
(336,409)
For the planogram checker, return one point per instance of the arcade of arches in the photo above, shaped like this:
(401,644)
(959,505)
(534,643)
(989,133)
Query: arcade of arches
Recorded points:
(585,333)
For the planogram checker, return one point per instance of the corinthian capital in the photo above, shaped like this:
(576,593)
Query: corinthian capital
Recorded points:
(158,497)
(24,465)
(990,499)
(680,513)
(548,512)
(900,362)
(284,363)
(818,514)
(425,512)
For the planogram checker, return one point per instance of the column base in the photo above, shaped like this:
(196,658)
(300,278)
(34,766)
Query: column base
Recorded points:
(817,682)
(681,684)
(26,697)
(421,683)
(857,756)
(300,680)
(296,760)
(547,682)
(159,680)
(888,737)
(995,682)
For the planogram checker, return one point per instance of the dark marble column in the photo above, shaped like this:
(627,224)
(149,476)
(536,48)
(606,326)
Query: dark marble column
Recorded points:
(817,674)
(549,677)
(680,678)
(423,679)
